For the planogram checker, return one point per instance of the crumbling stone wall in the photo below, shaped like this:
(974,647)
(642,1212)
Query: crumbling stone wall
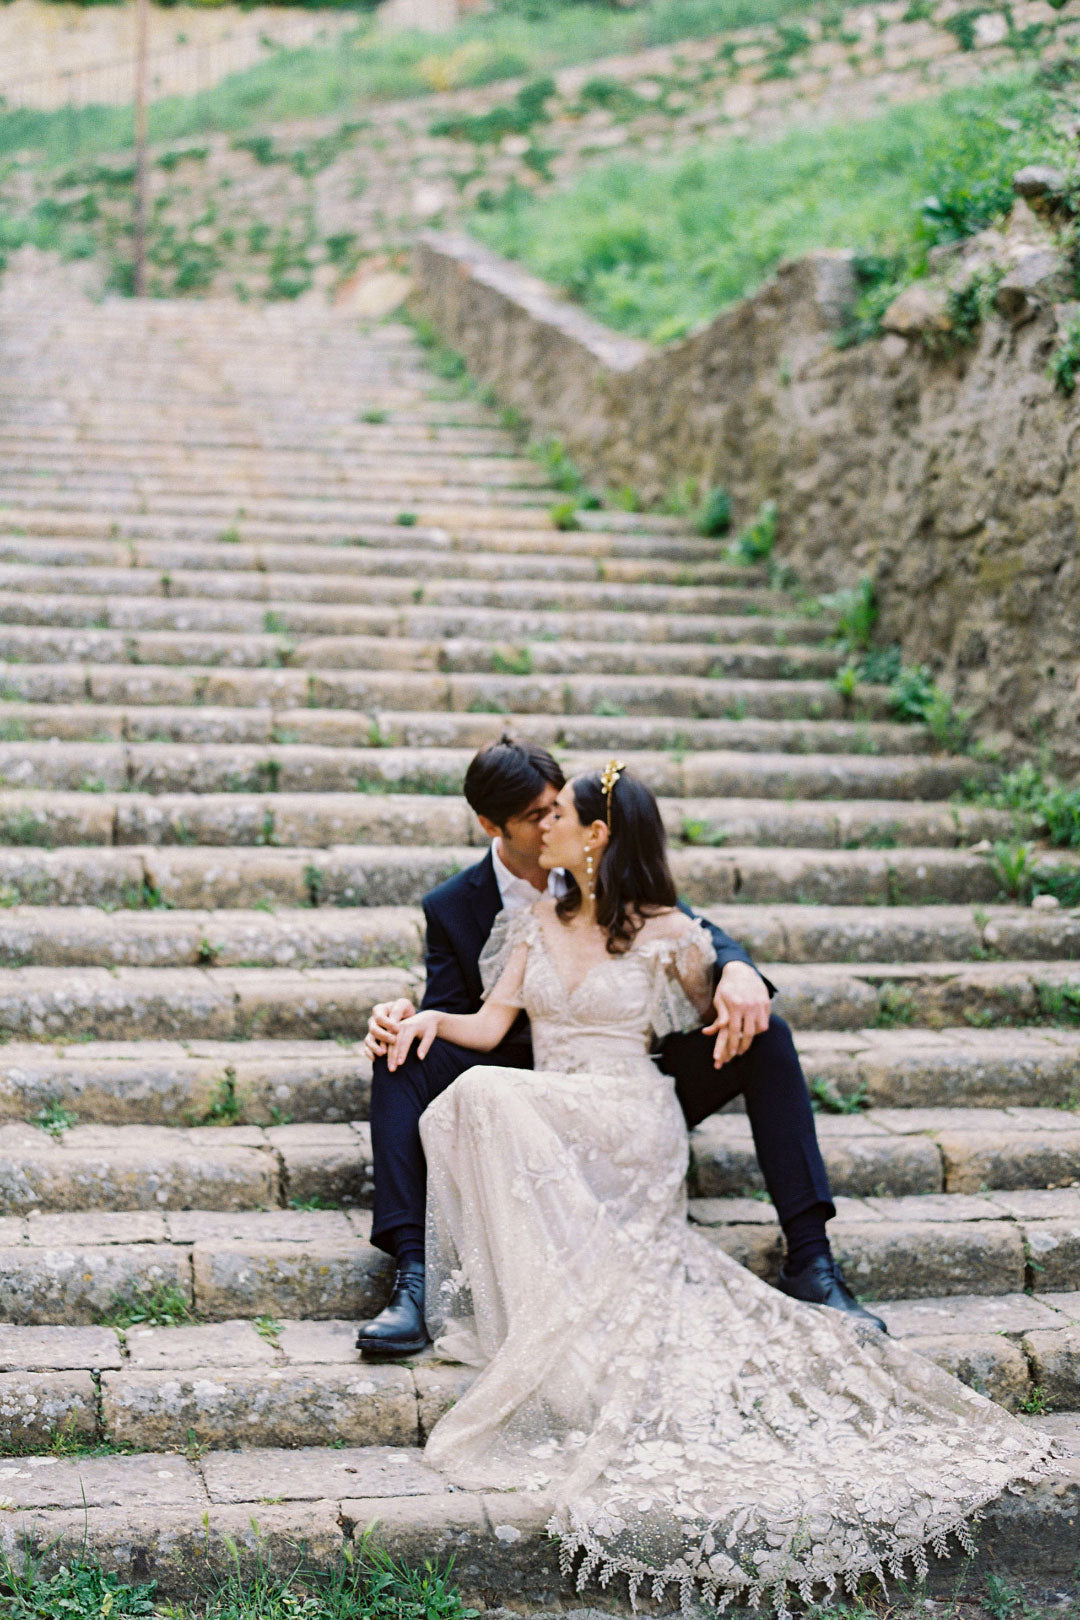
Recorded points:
(952,479)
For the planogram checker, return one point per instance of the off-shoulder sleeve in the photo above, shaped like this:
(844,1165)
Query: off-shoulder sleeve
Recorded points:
(682,979)
(505,954)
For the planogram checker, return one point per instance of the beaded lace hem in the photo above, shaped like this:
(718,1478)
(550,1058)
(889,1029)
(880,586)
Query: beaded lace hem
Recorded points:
(698,1582)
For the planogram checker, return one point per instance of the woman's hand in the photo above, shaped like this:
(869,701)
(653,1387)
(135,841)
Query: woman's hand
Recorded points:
(422,1026)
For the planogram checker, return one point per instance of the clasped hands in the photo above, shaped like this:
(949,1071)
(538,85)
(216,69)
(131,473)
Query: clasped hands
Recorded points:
(741,1006)
(392,1028)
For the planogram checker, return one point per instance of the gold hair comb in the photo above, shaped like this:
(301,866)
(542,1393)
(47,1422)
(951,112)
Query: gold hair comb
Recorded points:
(608,778)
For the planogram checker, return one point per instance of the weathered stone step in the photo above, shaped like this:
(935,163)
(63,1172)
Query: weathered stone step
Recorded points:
(389,874)
(243,575)
(385,563)
(183,1521)
(136,1003)
(937,995)
(651,714)
(73,1269)
(373,936)
(417,427)
(195,1003)
(165,611)
(904,1067)
(150,479)
(157,1082)
(531,592)
(357,669)
(894,1152)
(884,1153)
(676,696)
(227,1385)
(196,1166)
(318,820)
(314,572)
(295,768)
(260,1082)
(458,511)
(434,502)
(88,548)
(923,1246)
(326,655)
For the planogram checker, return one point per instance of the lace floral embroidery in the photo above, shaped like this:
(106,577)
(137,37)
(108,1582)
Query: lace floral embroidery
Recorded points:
(686,1423)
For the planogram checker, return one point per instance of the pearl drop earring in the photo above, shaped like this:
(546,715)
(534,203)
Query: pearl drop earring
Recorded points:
(591,889)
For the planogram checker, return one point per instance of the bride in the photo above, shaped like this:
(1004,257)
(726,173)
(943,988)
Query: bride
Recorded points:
(688,1423)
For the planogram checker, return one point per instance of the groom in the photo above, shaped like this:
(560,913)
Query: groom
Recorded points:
(511,787)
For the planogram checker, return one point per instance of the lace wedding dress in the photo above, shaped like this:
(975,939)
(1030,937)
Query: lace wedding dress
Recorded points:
(688,1423)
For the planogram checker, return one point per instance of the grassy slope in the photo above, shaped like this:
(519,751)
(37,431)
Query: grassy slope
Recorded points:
(654,249)
(521,37)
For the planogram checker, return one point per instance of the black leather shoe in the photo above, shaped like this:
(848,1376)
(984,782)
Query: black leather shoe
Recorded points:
(821,1283)
(399,1329)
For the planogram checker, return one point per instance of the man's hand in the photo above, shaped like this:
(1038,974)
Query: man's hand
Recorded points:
(386,1020)
(742,1011)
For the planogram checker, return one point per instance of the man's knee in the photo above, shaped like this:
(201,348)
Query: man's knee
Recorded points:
(771,1061)
(777,1039)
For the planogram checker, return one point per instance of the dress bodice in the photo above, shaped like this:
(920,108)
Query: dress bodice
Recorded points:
(609,1015)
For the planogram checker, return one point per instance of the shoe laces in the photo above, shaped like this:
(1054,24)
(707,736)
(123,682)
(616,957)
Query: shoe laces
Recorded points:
(410,1281)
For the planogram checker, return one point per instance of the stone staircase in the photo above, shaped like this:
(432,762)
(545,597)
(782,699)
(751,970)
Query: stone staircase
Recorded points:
(265,584)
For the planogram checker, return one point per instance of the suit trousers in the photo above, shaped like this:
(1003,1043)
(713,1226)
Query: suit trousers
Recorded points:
(768,1076)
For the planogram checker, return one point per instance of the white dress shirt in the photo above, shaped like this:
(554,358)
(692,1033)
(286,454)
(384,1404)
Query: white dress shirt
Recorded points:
(517,893)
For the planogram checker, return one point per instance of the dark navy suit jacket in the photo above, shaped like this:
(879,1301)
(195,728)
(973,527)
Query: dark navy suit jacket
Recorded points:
(460,915)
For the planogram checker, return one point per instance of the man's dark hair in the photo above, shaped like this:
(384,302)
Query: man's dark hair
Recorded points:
(506,776)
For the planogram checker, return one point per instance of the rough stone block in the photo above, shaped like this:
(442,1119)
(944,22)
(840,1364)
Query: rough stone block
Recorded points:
(208,1345)
(45,1349)
(39,1286)
(1054,1253)
(1055,1364)
(290,1279)
(341,1172)
(992,1365)
(438,1388)
(897,1260)
(265,1406)
(978,1314)
(36,1407)
(99,1482)
(315,1474)
(975,1159)
(323,1001)
(415,1529)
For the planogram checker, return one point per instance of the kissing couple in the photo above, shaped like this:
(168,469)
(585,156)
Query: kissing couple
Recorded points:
(684,1421)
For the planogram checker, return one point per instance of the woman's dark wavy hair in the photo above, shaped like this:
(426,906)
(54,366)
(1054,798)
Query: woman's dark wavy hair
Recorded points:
(633,880)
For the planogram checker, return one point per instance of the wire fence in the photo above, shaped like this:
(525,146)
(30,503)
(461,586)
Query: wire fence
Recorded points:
(184,68)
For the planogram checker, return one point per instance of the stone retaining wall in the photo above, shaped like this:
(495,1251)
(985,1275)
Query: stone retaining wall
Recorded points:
(953,482)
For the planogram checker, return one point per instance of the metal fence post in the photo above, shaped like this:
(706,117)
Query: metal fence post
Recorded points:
(142,22)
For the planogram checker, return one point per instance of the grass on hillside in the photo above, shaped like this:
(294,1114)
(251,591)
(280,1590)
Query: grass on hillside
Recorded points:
(520,37)
(654,249)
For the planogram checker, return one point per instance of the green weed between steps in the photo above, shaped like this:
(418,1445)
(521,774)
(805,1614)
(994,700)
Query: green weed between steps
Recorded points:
(1024,874)
(1042,804)
(654,248)
(914,694)
(164,1305)
(366,1585)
